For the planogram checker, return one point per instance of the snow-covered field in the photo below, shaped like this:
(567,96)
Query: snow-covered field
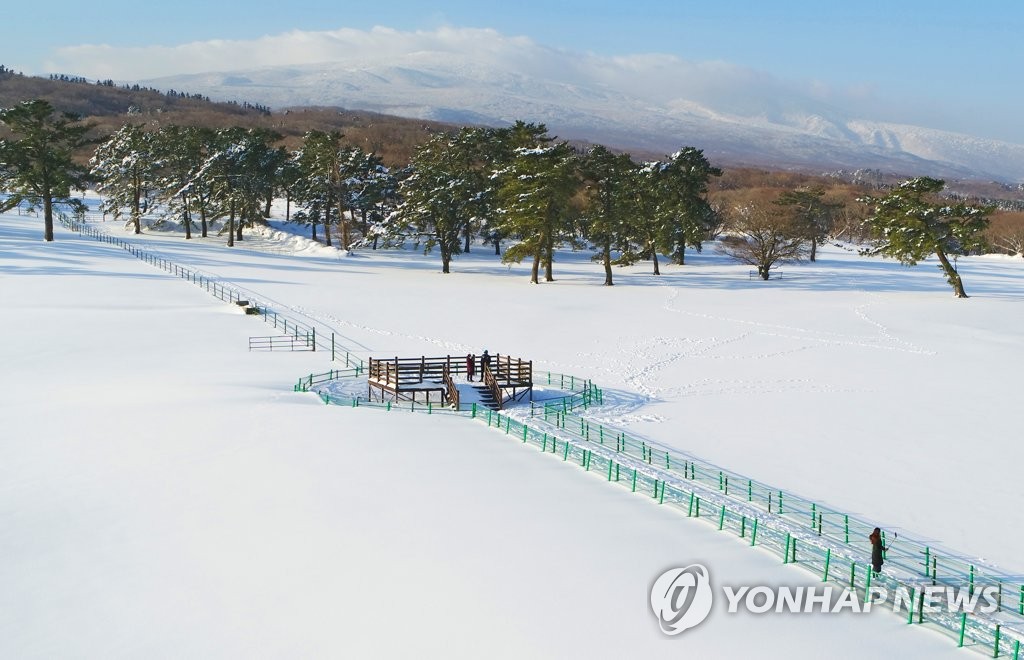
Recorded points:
(164,493)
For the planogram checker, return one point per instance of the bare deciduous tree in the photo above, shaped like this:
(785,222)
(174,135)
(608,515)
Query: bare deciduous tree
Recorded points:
(1006,232)
(761,234)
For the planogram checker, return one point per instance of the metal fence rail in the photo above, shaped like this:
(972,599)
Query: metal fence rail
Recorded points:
(828,543)
(299,330)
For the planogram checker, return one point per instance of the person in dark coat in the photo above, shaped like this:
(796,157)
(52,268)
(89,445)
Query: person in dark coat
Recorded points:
(470,367)
(876,550)
(485,361)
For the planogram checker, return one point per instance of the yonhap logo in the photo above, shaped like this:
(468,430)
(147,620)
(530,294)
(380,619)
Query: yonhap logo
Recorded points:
(681,598)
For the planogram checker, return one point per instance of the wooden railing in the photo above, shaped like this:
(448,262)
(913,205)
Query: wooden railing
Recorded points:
(451,389)
(505,377)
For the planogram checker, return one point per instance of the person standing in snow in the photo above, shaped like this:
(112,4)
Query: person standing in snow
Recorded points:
(485,362)
(876,550)
(470,367)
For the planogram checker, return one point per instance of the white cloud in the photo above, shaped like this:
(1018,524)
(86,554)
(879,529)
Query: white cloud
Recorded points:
(286,49)
(660,79)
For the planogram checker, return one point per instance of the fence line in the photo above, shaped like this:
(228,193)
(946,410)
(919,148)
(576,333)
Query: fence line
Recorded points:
(302,333)
(826,542)
(773,518)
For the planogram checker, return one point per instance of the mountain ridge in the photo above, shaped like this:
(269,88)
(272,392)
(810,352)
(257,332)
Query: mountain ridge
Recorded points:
(788,132)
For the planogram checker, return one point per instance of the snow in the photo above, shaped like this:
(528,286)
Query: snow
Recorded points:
(164,492)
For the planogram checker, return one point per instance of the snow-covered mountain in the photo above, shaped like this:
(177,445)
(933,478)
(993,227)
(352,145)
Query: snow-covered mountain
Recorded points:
(742,121)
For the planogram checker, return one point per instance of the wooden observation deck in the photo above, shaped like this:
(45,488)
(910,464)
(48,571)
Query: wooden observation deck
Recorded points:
(430,380)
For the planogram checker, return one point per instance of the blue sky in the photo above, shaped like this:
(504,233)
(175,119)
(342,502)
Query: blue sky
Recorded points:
(952,65)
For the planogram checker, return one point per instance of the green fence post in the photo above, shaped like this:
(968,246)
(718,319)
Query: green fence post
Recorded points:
(995,648)
(785,553)
(867,586)
(661,499)
(525,429)
(1022,600)
(743,526)
(565,456)
(792,560)
(910,615)
(473,413)
(963,629)
(689,513)
(721,519)
(814,514)
(853,575)
(634,480)
(610,470)
(828,559)
(846,519)
(1016,650)
(753,533)
(389,406)
(780,502)
(616,472)
(750,490)
(697,508)
(668,463)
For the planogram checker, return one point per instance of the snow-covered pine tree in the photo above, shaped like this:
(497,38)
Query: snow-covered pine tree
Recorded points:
(124,168)
(535,203)
(683,212)
(610,207)
(448,191)
(180,153)
(37,163)
(913,221)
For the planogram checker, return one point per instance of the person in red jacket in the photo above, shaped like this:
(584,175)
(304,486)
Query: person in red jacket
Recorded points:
(470,367)
(876,550)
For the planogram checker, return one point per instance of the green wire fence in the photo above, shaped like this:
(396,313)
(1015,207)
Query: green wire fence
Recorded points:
(826,542)
(821,539)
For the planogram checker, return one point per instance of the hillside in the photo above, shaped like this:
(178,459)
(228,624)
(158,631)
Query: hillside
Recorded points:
(109,106)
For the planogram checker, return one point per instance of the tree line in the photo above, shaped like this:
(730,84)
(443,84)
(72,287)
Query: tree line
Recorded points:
(518,186)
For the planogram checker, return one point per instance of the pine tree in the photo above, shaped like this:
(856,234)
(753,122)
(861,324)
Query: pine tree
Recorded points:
(240,170)
(124,168)
(448,191)
(37,166)
(181,152)
(535,203)
(682,210)
(609,204)
(912,222)
(812,213)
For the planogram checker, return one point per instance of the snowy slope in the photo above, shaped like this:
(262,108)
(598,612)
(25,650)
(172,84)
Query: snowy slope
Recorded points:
(164,493)
(752,125)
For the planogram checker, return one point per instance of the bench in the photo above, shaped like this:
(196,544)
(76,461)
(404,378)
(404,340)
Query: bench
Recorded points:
(771,273)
